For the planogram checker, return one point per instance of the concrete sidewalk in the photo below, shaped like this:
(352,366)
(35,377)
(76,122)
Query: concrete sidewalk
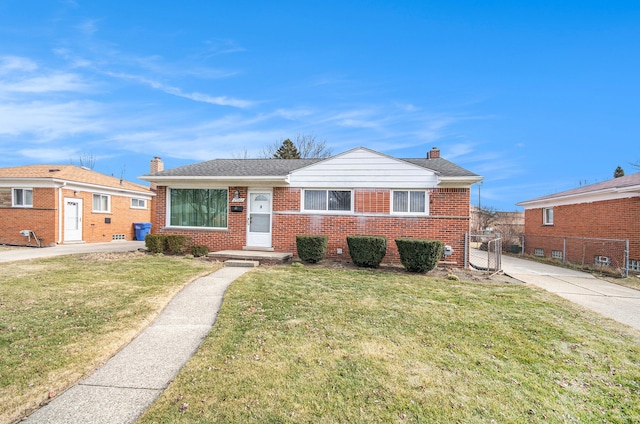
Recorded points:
(611,300)
(122,389)
(23,253)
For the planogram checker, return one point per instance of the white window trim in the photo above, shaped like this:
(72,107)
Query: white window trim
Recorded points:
(138,200)
(545,221)
(13,197)
(326,211)
(187,227)
(108,203)
(426,202)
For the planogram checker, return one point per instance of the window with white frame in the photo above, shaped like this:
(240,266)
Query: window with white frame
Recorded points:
(101,203)
(193,207)
(407,201)
(327,200)
(22,197)
(538,252)
(547,216)
(138,203)
(557,254)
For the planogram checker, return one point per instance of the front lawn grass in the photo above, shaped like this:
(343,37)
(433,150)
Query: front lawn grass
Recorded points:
(328,346)
(61,317)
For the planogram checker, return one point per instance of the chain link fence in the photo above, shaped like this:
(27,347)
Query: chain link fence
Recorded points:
(485,252)
(591,254)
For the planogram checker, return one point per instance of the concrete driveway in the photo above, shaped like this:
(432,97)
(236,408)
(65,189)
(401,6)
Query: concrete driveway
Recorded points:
(22,253)
(611,300)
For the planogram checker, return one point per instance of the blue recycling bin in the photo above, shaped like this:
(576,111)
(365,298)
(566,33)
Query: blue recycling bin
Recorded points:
(142,229)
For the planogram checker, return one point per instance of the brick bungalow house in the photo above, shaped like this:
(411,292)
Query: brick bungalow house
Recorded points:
(66,204)
(606,210)
(263,204)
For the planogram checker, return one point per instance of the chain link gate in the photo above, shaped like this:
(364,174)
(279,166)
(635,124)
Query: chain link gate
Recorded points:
(484,252)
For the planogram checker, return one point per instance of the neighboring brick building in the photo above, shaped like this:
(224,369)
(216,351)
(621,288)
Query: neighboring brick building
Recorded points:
(265,203)
(606,210)
(65,203)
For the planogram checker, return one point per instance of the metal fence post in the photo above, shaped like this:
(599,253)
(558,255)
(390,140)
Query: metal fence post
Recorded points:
(626,259)
(466,250)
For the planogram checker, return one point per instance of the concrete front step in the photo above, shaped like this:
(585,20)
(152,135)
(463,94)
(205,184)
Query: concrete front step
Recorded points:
(238,263)
(263,257)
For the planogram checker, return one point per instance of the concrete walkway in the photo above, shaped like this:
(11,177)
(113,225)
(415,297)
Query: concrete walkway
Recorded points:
(23,253)
(122,389)
(610,300)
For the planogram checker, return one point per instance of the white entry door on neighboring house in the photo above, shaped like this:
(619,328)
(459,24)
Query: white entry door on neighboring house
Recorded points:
(259,218)
(72,219)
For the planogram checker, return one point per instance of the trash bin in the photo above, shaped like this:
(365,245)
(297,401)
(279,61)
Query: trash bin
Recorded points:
(516,249)
(142,229)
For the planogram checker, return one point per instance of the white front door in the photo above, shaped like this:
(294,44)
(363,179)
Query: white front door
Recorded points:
(259,218)
(72,219)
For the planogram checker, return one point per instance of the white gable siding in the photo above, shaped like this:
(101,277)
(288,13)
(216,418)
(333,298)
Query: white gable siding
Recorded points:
(363,168)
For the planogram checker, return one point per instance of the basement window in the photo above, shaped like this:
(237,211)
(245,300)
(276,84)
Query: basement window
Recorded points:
(538,252)
(556,254)
(634,265)
(22,197)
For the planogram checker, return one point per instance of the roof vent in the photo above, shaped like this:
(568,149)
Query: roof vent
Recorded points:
(433,153)
(54,170)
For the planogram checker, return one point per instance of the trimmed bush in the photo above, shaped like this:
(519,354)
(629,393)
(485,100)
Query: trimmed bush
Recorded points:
(167,243)
(367,251)
(419,255)
(155,242)
(177,244)
(311,248)
(198,251)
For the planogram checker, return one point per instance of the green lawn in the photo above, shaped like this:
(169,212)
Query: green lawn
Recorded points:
(61,317)
(327,346)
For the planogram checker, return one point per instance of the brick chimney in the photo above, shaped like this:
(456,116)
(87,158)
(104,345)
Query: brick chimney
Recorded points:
(433,153)
(156,166)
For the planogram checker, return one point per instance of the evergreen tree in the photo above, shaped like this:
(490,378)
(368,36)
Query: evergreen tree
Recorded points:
(619,172)
(287,150)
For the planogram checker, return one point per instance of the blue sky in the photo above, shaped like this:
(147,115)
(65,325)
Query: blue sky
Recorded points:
(536,96)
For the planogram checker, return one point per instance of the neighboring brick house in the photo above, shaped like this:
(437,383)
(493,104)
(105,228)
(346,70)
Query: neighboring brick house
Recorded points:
(231,204)
(67,203)
(606,210)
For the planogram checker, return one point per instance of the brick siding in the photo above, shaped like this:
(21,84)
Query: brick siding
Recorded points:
(43,219)
(448,221)
(611,219)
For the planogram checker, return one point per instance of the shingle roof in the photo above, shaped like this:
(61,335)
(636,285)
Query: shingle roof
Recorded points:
(68,173)
(616,183)
(282,167)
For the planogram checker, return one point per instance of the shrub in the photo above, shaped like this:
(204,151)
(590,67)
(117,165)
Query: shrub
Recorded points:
(419,255)
(155,242)
(367,251)
(311,248)
(176,244)
(198,251)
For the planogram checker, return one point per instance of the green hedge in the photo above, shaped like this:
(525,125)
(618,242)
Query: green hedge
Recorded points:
(155,242)
(419,255)
(367,251)
(171,244)
(198,251)
(311,248)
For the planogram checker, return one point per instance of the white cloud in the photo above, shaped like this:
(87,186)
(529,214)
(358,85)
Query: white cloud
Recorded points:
(49,155)
(16,63)
(55,82)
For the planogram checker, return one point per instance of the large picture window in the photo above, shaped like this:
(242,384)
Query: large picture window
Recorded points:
(198,207)
(327,200)
(22,197)
(405,201)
